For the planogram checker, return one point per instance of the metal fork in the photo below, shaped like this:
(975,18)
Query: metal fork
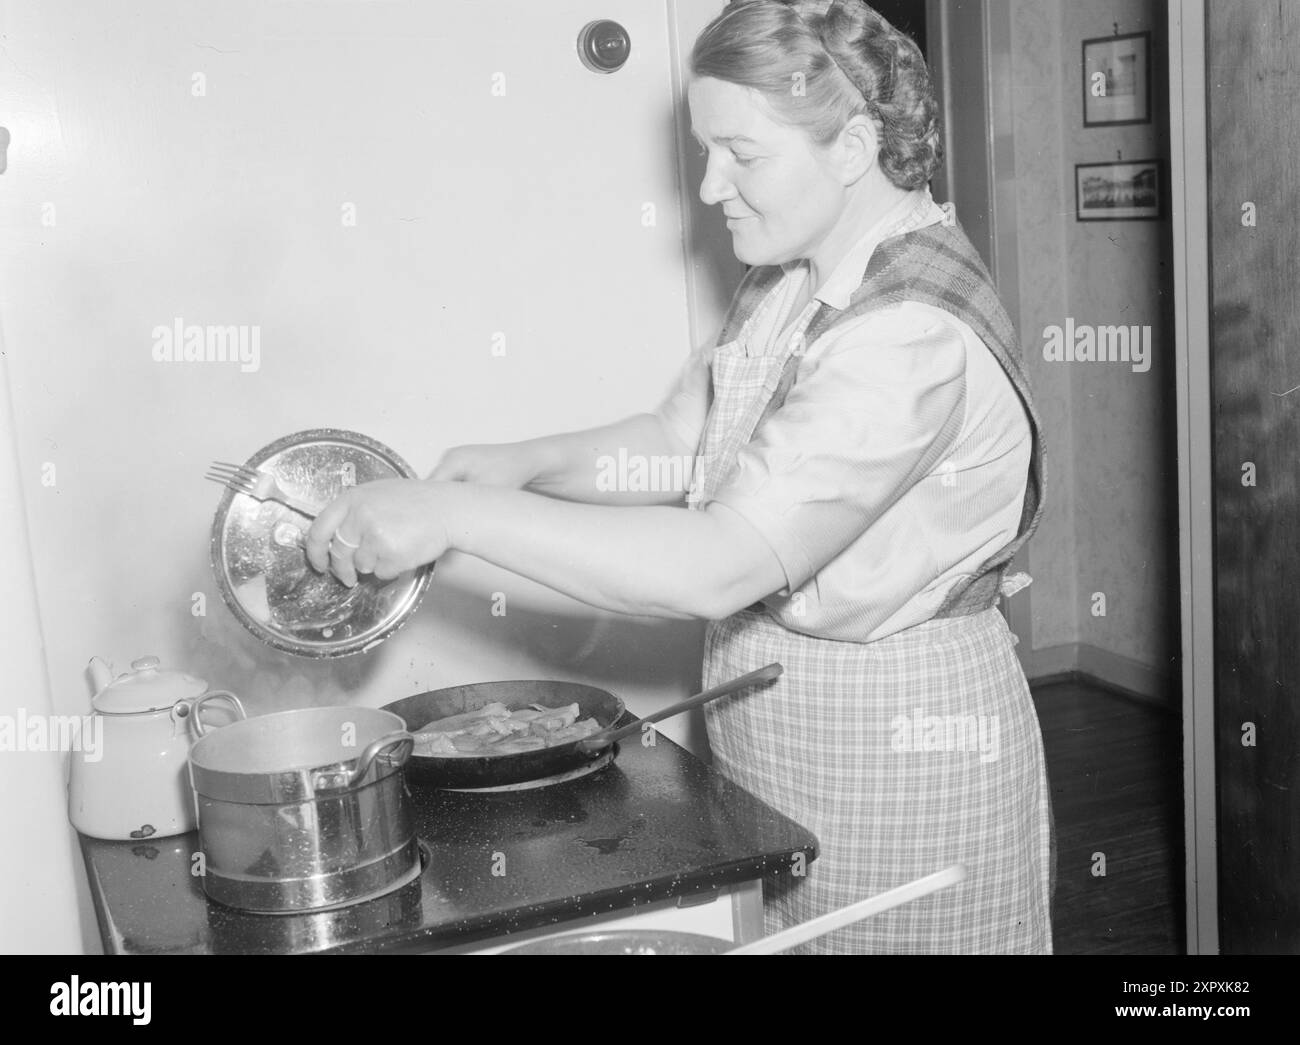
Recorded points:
(257,484)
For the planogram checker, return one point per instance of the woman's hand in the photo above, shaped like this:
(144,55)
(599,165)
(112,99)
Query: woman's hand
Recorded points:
(513,465)
(384,528)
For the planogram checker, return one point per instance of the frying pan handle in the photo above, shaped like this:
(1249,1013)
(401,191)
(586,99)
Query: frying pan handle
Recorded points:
(599,741)
(398,738)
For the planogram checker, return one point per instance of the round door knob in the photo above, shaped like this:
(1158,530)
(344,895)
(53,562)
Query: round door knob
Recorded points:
(604,46)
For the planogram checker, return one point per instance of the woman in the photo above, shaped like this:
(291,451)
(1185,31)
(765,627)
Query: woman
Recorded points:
(869,462)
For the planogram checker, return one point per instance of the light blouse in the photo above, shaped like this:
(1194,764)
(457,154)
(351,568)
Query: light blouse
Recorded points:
(867,548)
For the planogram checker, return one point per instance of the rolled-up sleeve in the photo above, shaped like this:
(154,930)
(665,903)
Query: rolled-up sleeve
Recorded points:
(875,407)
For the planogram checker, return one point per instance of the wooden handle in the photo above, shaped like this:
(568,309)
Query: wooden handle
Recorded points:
(815,927)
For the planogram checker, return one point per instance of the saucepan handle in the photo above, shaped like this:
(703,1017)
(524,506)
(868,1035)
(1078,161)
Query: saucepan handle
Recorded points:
(196,721)
(398,739)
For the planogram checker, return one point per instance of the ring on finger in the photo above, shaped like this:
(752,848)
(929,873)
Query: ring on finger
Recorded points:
(338,536)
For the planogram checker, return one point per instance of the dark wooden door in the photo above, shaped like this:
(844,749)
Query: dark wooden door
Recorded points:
(1254,145)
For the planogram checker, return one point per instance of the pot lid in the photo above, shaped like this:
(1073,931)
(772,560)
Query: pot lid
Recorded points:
(261,567)
(147,687)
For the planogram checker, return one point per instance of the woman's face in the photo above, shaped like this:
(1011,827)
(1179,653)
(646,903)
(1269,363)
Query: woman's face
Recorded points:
(781,193)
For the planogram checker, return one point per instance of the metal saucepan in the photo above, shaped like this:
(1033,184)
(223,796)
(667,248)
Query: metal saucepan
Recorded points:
(304,810)
(498,770)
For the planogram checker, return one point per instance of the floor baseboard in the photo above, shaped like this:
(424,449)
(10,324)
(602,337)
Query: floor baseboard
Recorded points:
(1081,662)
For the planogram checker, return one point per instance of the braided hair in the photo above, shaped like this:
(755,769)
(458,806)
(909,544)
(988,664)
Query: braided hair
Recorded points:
(819,63)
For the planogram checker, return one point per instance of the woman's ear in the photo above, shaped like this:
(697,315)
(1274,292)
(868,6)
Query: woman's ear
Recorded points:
(860,145)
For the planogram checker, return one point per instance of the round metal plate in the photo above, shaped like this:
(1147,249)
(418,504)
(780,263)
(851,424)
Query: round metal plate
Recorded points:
(625,941)
(262,570)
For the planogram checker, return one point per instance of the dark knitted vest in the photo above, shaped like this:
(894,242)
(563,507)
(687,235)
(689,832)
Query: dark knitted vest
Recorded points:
(935,266)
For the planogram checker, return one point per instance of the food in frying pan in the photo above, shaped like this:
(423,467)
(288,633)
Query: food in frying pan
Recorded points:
(496,730)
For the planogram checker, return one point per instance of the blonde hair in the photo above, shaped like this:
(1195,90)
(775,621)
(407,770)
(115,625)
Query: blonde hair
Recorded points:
(846,60)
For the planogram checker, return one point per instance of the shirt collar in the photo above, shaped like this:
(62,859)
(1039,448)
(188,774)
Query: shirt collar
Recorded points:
(916,210)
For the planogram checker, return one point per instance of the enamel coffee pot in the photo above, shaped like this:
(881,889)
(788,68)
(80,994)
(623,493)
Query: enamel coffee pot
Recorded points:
(132,780)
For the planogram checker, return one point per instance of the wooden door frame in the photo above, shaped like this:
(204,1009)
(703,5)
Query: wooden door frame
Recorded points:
(1189,213)
(992,154)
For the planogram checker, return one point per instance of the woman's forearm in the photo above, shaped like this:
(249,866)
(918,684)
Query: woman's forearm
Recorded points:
(654,561)
(636,461)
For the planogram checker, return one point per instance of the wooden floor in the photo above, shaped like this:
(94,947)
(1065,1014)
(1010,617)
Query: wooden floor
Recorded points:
(1115,767)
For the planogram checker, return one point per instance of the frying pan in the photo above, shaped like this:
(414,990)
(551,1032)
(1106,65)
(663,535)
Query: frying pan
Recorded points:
(472,771)
(469,771)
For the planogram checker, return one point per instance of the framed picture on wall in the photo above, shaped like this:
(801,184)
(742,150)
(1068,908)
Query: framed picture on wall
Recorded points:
(1126,190)
(1117,80)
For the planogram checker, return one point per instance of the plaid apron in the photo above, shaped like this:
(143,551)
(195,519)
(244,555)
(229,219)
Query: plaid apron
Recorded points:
(903,755)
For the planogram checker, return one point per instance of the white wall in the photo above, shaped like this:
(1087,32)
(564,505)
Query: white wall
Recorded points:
(1109,525)
(1125,466)
(130,201)
(39,877)
(713,272)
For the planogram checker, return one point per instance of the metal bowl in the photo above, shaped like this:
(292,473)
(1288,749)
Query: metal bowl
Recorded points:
(625,941)
(261,567)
